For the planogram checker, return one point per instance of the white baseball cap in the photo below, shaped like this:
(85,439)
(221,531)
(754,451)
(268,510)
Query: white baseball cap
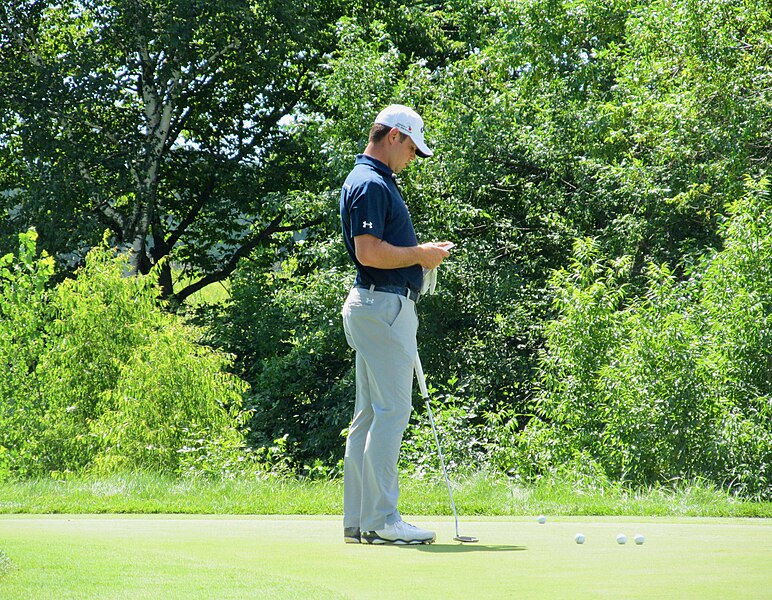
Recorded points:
(408,122)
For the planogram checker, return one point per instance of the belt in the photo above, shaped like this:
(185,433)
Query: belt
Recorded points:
(392,289)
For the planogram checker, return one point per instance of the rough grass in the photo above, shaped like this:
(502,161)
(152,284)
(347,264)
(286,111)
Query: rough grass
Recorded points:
(147,493)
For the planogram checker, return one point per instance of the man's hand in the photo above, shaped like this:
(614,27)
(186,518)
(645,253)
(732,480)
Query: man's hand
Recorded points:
(432,254)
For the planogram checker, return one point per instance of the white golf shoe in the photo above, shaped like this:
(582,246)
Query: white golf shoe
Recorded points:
(399,533)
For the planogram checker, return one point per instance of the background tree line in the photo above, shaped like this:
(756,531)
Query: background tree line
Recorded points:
(602,166)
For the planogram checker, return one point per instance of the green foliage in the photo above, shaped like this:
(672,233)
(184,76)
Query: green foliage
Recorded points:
(738,304)
(103,379)
(359,81)
(285,327)
(690,115)
(551,121)
(627,125)
(164,120)
(460,434)
(675,384)
(24,313)
(262,493)
(173,409)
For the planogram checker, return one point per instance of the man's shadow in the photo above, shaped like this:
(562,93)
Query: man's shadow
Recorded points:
(461,548)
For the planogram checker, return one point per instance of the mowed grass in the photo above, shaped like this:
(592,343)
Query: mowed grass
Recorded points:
(304,557)
(171,547)
(265,495)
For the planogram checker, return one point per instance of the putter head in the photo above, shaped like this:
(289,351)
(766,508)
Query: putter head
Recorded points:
(467,539)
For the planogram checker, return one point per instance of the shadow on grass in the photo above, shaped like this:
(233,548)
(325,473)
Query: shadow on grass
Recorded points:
(459,548)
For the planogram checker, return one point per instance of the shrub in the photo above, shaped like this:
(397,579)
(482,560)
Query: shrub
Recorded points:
(23,318)
(286,328)
(106,379)
(672,384)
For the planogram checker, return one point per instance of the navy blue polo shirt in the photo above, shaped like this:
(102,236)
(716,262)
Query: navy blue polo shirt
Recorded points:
(370,203)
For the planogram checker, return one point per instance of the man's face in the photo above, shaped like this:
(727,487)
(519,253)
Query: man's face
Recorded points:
(404,154)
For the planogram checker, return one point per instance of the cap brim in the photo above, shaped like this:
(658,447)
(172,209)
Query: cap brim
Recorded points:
(422,150)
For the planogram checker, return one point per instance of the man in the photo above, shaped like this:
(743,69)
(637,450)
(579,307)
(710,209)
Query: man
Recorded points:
(380,322)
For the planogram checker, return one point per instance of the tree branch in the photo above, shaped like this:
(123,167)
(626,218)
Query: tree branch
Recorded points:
(31,50)
(103,204)
(203,67)
(243,251)
(178,231)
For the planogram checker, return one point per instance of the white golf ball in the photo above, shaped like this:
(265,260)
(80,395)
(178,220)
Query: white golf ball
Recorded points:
(579,538)
(639,539)
(621,538)
(542,519)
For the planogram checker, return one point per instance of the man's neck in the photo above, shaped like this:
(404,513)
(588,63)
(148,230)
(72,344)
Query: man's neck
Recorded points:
(376,151)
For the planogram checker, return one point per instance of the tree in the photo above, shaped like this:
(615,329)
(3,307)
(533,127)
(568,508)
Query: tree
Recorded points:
(167,121)
(550,122)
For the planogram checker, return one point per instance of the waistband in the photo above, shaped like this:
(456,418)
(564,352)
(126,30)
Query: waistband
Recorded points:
(392,289)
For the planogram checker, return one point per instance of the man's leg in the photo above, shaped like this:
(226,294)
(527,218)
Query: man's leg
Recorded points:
(381,327)
(391,390)
(391,395)
(355,449)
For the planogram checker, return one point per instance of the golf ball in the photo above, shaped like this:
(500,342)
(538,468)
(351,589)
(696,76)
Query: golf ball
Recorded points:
(579,538)
(542,519)
(621,538)
(639,539)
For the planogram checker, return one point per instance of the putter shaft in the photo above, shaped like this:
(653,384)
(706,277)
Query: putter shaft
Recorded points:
(425,394)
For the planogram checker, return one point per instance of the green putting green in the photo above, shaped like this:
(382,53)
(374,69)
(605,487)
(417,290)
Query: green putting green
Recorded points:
(298,557)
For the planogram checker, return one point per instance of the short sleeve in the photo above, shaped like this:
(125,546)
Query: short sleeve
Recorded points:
(369,209)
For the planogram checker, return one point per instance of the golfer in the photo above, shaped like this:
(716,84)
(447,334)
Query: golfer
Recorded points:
(380,322)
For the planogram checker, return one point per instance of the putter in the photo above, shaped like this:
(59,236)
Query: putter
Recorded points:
(419,371)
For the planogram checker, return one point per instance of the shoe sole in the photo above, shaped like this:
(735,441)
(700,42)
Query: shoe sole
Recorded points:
(398,542)
(352,535)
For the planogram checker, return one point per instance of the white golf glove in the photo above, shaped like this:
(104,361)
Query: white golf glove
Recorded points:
(430,281)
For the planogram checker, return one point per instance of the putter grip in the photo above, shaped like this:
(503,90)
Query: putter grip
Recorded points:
(419,372)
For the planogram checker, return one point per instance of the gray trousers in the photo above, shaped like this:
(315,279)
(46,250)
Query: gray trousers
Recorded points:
(381,327)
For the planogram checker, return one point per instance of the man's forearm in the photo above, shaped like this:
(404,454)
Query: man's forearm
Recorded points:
(374,252)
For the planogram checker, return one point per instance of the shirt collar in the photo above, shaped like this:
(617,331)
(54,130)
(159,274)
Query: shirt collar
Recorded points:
(364,159)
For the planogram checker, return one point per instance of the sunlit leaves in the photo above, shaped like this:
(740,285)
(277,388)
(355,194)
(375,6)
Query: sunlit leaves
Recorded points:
(98,377)
(675,383)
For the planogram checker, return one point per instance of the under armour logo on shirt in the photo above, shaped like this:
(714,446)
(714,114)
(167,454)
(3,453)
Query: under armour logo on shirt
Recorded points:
(367,224)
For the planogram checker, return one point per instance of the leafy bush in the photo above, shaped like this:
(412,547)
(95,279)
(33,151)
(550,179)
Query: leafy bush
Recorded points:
(737,301)
(460,434)
(24,315)
(286,328)
(674,384)
(105,380)
(173,408)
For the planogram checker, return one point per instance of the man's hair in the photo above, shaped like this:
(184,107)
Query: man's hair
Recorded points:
(378,131)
